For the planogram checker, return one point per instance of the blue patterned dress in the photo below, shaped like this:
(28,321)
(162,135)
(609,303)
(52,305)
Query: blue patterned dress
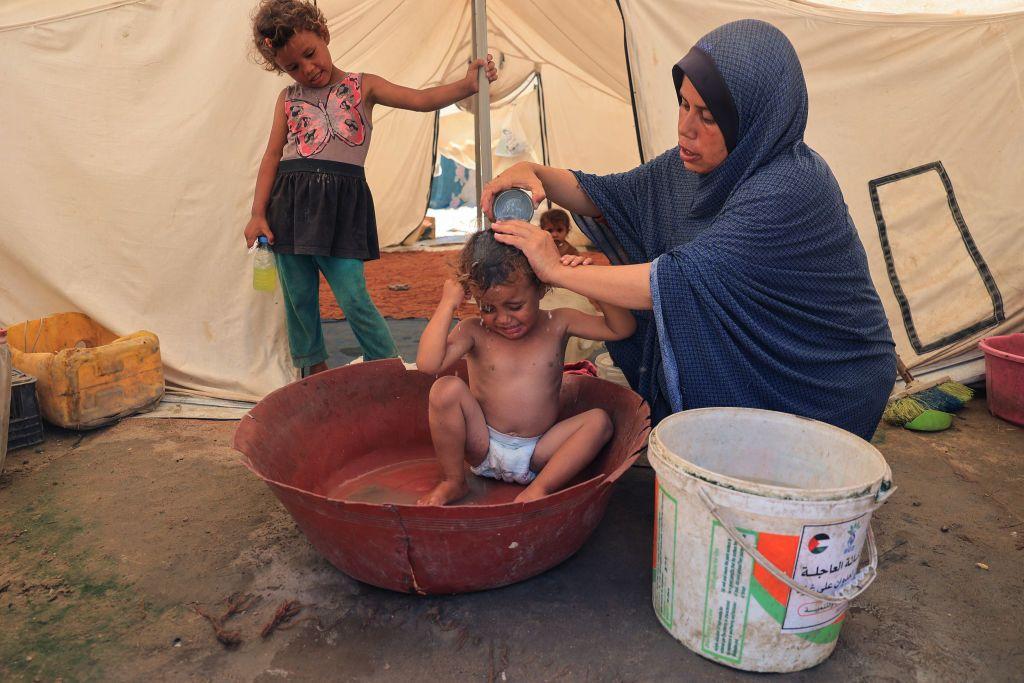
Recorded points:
(762,295)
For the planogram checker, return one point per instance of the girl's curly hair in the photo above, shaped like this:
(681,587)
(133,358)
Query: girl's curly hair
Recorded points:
(485,262)
(274,22)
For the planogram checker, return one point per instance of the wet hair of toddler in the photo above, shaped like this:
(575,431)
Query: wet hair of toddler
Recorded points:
(274,22)
(484,262)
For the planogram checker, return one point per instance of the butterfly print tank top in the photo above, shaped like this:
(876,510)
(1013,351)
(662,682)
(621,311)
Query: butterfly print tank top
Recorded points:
(327,123)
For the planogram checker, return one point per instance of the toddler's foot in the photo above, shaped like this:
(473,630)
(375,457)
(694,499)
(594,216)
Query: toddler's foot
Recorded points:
(445,492)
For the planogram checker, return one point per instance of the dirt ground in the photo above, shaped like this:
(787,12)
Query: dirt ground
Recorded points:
(110,539)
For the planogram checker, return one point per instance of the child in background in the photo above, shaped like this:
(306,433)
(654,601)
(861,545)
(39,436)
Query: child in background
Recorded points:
(556,222)
(504,421)
(311,199)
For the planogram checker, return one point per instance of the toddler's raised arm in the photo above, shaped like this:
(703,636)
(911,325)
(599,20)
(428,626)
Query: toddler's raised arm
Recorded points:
(438,347)
(615,323)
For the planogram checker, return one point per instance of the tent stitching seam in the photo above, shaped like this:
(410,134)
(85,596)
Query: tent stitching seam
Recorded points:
(998,312)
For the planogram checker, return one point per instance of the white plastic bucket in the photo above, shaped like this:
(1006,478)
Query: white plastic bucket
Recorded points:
(760,521)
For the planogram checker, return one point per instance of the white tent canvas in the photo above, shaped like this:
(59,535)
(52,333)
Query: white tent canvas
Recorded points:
(921,117)
(518,133)
(134,130)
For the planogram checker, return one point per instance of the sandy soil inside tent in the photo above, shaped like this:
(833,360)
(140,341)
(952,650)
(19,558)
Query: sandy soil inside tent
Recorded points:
(407,284)
(102,576)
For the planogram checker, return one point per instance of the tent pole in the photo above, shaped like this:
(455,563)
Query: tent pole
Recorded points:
(483,107)
(539,88)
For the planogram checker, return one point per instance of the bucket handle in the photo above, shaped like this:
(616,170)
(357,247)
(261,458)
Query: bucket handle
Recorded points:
(855,587)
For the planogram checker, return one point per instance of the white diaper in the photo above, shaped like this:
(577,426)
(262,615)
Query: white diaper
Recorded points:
(508,458)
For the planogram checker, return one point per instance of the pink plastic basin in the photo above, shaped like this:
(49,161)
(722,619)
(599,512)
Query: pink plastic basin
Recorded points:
(1004,376)
(348,452)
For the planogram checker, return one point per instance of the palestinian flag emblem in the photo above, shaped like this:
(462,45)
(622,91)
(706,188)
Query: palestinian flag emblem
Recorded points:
(818,544)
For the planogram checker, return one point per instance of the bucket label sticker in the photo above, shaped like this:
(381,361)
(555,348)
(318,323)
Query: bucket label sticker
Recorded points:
(664,583)
(727,595)
(826,561)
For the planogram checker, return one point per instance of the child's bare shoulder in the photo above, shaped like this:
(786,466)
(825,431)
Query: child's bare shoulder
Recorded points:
(282,100)
(369,83)
(467,327)
(560,318)
(574,322)
(563,315)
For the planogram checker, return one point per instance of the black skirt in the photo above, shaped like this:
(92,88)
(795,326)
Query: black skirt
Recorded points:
(322,208)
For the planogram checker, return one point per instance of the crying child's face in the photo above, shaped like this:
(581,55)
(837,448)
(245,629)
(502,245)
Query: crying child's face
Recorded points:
(511,309)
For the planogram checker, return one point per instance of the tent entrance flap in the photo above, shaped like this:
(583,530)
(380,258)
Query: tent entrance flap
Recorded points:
(518,134)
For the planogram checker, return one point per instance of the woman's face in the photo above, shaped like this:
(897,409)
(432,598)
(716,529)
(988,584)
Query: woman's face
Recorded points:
(701,143)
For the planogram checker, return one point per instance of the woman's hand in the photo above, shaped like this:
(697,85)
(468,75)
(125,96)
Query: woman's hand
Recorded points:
(257,226)
(624,286)
(573,260)
(472,82)
(520,175)
(538,246)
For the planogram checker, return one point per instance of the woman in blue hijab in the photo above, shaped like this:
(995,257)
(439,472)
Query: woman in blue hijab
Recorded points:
(735,249)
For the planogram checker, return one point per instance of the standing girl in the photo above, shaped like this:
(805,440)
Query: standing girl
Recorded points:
(311,200)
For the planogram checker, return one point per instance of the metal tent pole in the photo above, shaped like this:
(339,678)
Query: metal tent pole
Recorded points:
(482,119)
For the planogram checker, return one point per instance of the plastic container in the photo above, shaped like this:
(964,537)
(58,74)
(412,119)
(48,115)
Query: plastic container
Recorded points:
(1004,376)
(26,422)
(5,395)
(760,521)
(607,369)
(348,452)
(513,204)
(86,376)
(264,270)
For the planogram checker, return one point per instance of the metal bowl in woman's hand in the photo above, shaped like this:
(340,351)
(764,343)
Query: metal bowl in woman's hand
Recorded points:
(513,205)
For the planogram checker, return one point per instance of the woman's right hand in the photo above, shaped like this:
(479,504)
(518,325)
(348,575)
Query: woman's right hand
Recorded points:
(257,226)
(520,175)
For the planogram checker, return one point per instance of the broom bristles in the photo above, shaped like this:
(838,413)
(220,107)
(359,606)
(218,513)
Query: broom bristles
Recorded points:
(901,411)
(947,397)
(958,391)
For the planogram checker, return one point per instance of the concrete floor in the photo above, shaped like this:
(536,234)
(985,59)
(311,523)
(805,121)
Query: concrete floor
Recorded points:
(111,538)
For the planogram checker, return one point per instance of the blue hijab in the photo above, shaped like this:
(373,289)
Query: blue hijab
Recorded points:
(761,289)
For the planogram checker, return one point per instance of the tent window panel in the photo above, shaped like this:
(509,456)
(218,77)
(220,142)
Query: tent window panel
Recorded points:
(943,285)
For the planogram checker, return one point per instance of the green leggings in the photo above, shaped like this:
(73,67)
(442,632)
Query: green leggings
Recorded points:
(300,282)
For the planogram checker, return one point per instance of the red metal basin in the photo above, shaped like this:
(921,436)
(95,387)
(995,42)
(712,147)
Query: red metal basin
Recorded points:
(348,452)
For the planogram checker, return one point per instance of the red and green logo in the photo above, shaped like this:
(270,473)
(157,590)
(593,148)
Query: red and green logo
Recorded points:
(773,595)
(818,544)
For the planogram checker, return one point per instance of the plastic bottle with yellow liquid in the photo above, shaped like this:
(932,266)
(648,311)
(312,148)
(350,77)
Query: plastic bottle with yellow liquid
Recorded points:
(264,272)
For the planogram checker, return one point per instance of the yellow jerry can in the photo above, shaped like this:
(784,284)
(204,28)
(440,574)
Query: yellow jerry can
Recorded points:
(86,375)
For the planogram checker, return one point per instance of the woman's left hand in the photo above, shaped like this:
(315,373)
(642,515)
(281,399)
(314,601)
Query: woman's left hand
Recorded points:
(538,246)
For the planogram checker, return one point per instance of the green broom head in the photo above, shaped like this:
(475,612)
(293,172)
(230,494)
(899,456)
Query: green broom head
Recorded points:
(902,410)
(947,397)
